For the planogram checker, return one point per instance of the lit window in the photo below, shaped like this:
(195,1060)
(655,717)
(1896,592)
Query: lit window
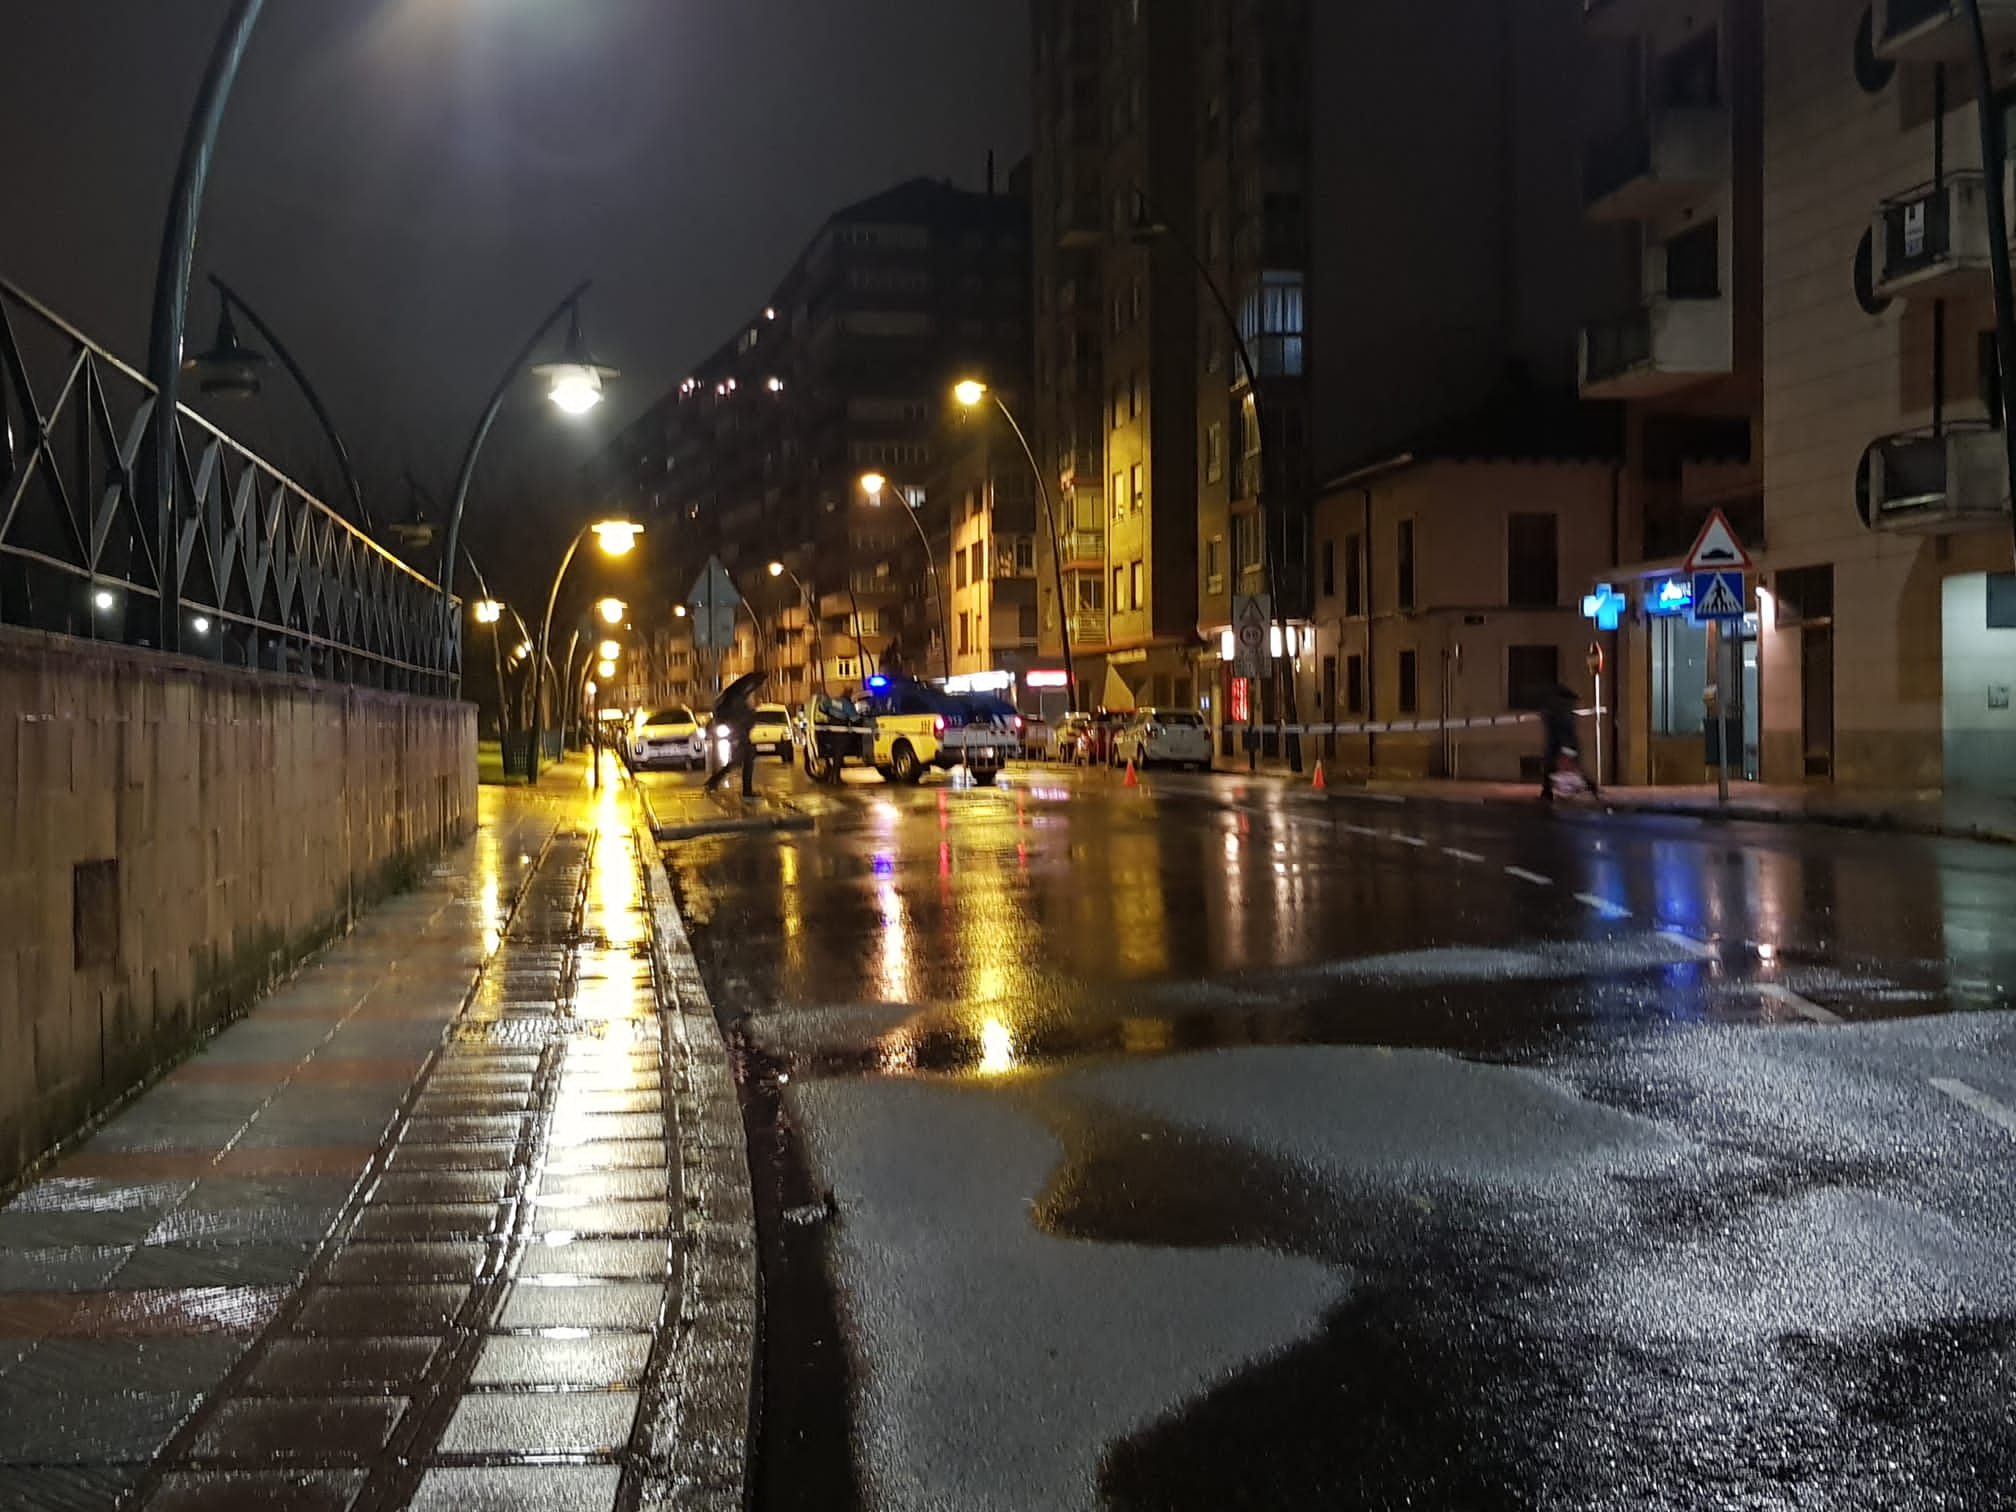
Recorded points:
(1270,319)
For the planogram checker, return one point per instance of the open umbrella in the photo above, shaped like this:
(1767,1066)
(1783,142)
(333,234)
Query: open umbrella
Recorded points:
(738,699)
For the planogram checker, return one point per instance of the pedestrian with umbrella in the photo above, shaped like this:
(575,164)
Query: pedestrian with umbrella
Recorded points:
(735,711)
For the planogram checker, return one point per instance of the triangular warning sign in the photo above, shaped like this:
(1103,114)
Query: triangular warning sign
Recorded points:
(1721,601)
(1716,549)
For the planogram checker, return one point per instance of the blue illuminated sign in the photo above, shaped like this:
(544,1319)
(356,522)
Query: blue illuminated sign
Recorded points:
(1670,596)
(1605,606)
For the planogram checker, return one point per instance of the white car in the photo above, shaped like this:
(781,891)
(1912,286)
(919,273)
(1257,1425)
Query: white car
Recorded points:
(670,738)
(1163,737)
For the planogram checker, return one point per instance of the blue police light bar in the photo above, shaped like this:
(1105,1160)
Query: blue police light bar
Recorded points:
(876,683)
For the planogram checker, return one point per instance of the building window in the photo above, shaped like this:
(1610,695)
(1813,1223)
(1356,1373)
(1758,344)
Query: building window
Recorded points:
(1137,490)
(1092,594)
(1531,673)
(1119,494)
(1214,565)
(1403,565)
(1025,554)
(1137,598)
(1245,544)
(965,632)
(1354,684)
(1329,569)
(1694,264)
(1354,575)
(1119,406)
(1270,318)
(1134,396)
(1409,692)
(1532,561)
(1679,675)
(959,569)
(979,561)
(1119,590)
(1214,453)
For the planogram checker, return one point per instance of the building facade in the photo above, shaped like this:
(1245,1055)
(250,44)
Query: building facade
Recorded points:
(800,438)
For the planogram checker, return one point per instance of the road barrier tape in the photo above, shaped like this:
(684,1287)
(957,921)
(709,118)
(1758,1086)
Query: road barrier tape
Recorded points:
(1398,726)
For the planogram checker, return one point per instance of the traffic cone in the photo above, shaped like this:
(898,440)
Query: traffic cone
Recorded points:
(1132,780)
(1319,784)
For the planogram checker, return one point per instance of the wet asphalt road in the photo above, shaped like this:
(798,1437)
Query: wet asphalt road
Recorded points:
(1210,1144)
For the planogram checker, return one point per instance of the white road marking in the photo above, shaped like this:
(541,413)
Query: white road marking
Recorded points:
(1603,906)
(1461,855)
(1360,829)
(1785,997)
(1700,949)
(1414,840)
(2003,1118)
(1527,876)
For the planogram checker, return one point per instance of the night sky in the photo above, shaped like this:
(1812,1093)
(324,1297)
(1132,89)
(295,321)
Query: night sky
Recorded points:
(405,186)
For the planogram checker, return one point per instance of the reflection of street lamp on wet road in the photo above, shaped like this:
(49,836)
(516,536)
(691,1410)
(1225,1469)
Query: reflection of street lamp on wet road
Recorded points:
(972,394)
(875,485)
(615,537)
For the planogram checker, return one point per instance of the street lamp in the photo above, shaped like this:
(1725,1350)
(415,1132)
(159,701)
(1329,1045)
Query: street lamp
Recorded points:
(230,369)
(1145,231)
(612,610)
(615,537)
(574,385)
(972,393)
(778,569)
(488,611)
(605,668)
(874,484)
(610,650)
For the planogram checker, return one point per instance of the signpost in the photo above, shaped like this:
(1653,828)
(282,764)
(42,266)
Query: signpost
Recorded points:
(714,604)
(1717,564)
(1250,622)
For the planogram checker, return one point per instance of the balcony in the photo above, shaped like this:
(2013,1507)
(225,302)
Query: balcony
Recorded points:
(1655,166)
(1922,484)
(1084,550)
(1935,31)
(1088,630)
(1931,242)
(1665,345)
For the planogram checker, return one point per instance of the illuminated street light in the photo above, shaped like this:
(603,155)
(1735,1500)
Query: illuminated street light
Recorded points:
(616,537)
(612,611)
(609,650)
(679,611)
(872,484)
(605,668)
(488,611)
(776,569)
(969,392)
(104,598)
(574,383)
(200,624)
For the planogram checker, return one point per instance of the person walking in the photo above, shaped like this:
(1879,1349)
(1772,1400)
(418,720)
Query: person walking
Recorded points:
(1557,721)
(735,711)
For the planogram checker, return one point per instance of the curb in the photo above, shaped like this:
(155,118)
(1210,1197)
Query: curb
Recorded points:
(790,819)
(700,1430)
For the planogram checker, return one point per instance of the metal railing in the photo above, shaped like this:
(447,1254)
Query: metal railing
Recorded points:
(261,574)
(1618,345)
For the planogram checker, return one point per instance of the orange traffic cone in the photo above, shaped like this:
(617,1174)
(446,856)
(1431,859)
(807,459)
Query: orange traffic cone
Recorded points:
(1132,780)
(1319,784)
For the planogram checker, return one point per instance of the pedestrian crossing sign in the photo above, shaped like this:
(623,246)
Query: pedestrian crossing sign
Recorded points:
(1718,596)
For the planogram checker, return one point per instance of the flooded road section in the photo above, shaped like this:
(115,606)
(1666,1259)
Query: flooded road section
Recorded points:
(1199,1146)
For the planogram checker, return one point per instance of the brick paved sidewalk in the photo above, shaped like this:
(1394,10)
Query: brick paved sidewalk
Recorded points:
(402,1236)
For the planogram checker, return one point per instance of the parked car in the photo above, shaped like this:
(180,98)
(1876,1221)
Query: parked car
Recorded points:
(772,733)
(1064,736)
(672,737)
(1163,737)
(1095,741)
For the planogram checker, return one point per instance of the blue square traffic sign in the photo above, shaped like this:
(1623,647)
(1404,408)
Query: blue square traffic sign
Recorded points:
(1718,596)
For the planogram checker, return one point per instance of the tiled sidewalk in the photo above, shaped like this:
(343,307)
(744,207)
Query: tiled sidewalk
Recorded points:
(400,1237)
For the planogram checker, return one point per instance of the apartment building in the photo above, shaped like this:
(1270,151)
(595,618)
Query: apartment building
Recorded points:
(988,570)
(823,414)
(1887,631)
(1675,161)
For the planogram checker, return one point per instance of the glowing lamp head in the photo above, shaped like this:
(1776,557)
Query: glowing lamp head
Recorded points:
(612,611)
(103,598)
(872,484)
(616,537)
(776,569)
(488,611)
(969,392)
(574,383)
(679,611)
(609,650)
(605,668)
(200,624)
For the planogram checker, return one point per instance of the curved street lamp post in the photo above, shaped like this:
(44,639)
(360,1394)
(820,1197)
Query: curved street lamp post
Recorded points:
(615,537)
(972,393)
(1148,229)
(778,569)
(875,485)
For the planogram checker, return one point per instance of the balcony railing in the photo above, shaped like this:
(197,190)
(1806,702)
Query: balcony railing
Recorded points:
(1654,166)
(1664,345)
(1084,549)
(1931,241)
(1936,31)
(1930,484)
(1088,629)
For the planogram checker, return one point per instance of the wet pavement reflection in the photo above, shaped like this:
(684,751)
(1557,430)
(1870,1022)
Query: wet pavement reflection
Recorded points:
(1212,1144)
